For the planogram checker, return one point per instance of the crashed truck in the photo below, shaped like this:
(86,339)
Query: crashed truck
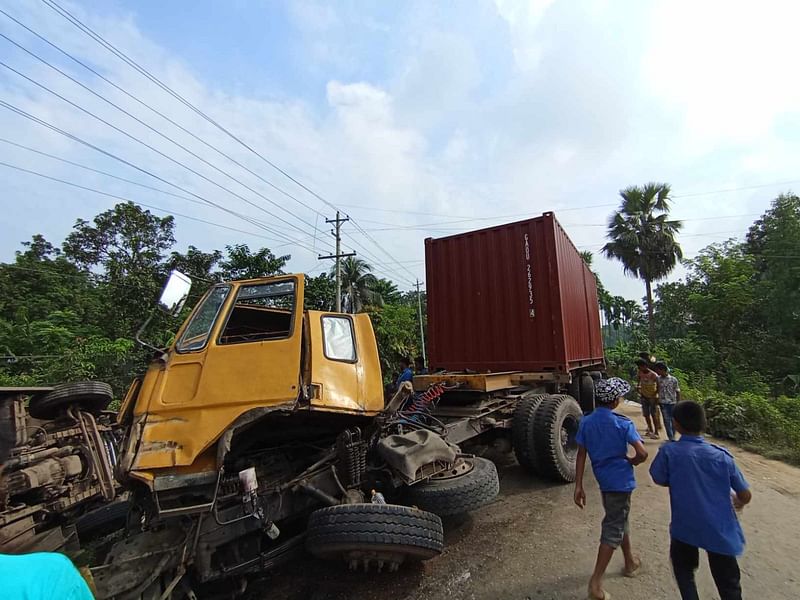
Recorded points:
(58,489)
(263,430)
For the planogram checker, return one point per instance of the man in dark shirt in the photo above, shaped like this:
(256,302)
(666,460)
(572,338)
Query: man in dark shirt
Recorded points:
(705,489)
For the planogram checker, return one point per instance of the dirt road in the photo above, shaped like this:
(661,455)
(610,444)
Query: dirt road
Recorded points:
(532,543)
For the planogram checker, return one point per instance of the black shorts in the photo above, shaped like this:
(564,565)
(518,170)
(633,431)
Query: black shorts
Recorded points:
(615,523)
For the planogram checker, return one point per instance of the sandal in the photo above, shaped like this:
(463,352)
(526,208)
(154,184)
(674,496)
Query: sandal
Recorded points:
(636,569)
(605,596)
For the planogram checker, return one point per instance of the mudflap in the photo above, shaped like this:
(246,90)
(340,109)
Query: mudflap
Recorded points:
(136,562)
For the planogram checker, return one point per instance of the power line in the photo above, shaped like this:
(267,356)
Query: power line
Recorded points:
(429,214)
(376,265)
(147,74)
(124,199)
(154,149)
(157,132)
(432,226)
(157,112)
(75,138)
(122,56)
(98,171)
(736,189)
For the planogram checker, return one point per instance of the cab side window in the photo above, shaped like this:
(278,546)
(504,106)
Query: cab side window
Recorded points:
(262,311)
(338,338)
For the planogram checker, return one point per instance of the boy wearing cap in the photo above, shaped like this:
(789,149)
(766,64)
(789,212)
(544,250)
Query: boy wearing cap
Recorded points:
(605,436)
(705,489)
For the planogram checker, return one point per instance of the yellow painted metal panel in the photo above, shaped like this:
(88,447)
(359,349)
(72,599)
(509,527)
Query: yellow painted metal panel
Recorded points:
(234,379)
(482,382)
(354,386)
(370,379)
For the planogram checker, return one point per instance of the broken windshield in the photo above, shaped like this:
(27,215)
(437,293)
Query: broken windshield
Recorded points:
(196,334)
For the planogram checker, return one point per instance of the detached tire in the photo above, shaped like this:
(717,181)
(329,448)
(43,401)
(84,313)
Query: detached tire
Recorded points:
(454,493)
(90,396)
(522,431)
(374,533)
(555,426)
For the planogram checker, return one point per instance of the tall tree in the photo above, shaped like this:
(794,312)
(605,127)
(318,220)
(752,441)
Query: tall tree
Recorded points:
(320,292)
(242,263)
(195,263)
(642,238)
(387,290)
(127,243)
(773,242)
(357,285)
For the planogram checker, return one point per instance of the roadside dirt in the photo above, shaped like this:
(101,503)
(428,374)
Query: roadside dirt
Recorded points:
(532,543)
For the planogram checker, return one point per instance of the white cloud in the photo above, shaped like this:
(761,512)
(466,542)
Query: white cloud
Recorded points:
(726,66)
(524,17)
(548,106)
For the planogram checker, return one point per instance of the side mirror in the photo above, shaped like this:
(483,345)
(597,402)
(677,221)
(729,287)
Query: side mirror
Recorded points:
(175,293)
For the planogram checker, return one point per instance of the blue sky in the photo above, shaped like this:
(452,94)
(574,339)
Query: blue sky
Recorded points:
(417,118)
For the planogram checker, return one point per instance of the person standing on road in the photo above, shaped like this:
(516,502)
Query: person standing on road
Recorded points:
(605,436)
(669,394)
(700,477)
(406,374)
(648,395)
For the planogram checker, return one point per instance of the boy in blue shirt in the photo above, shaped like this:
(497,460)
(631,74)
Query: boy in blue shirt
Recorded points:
(605,436)
(406,374)
(700,477)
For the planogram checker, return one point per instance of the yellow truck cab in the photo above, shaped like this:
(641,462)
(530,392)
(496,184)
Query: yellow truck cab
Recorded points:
(263,428)
(248,347)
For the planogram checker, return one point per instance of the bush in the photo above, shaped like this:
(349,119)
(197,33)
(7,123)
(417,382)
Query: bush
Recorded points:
(765,425)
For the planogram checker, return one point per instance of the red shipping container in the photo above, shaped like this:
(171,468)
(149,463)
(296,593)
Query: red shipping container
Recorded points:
(515,297)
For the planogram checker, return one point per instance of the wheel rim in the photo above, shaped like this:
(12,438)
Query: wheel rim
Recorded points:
(569,432)
(461,467)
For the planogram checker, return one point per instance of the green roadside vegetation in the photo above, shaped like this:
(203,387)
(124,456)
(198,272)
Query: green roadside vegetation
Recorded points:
(70,311)
(730,331)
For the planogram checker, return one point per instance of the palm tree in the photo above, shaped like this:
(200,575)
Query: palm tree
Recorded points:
(387,291)
(643,238)
(357,285)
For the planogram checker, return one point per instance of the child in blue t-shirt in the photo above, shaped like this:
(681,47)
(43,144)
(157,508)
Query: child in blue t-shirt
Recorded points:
(605,436)
(705,489)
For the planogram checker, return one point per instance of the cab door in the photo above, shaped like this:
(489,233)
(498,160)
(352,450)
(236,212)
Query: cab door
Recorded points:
(345,371)
(254,358)
(243,355)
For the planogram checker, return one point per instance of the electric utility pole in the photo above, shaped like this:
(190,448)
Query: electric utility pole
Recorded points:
(336,232)
(421,328)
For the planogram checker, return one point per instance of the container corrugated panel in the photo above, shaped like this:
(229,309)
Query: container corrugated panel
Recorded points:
(515,297)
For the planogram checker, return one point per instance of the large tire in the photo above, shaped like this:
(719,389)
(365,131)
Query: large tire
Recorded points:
(90,396)
(555,426)
(374,533)
(522,432)
(459,493)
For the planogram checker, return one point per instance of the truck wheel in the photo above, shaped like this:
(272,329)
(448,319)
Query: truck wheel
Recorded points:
(586,392)
(555,426)
(91,396)
(522,433)
(380,534)
(471,483)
